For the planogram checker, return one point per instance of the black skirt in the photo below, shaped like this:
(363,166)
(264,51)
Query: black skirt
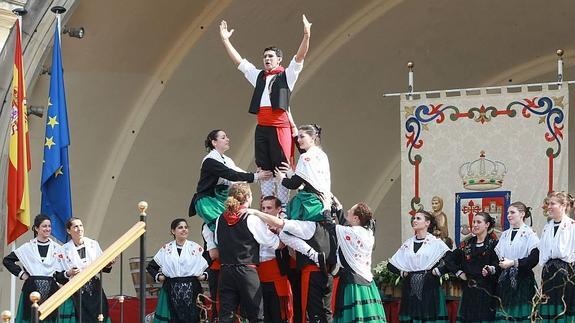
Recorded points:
(478,302)
(182,295)
(46,286)
(90,303)
(420,298)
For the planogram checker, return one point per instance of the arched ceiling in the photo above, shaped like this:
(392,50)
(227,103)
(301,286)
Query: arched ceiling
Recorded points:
(149,80)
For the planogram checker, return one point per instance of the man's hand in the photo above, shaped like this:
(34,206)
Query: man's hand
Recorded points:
(226,34)
(306,26)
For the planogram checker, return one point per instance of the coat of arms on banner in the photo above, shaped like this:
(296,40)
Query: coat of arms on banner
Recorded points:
(469,204)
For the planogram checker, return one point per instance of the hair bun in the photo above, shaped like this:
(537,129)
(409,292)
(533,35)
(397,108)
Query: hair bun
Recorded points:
(317,128)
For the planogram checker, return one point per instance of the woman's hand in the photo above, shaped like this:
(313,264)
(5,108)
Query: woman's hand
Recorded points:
(279,174)
(214,253)
(161,278)
(72,272)
(506,263)
(264,175)
(487,270)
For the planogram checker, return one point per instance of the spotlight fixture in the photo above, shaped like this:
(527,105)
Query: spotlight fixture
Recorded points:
(46,70)
(76,32)
(36,111)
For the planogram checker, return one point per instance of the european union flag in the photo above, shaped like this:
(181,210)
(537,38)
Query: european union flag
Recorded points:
(56,192)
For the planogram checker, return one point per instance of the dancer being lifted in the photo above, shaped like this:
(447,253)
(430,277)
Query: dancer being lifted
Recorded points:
(270,102)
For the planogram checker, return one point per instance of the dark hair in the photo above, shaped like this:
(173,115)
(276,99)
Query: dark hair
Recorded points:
(521,207)
(69,222)
(277,202)
(488,219)
(278,51)
(38,221)
(364,213)
(313,130)
(175,223)
(428,217)
(213,135)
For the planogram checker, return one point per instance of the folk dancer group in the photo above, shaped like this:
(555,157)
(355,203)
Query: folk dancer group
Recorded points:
(307,260)
(45,264)
(497,275)
(276,264)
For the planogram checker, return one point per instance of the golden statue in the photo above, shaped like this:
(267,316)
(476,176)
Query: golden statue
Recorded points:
(440,218)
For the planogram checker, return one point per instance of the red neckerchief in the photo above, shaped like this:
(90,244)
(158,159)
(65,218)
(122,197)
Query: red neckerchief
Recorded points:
(276,70)
(232,218)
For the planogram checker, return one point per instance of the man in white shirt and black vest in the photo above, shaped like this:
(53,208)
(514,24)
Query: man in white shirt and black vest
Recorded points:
(273,85)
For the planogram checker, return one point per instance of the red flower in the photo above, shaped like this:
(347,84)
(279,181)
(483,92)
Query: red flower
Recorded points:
(347,238)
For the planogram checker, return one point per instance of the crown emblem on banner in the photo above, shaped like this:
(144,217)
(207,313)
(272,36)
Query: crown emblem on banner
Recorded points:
(482,174)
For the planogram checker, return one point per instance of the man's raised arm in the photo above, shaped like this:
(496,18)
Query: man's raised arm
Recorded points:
(232,52)
(303,46)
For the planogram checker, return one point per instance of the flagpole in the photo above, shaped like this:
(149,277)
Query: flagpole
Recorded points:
(59,10)
(13,287)
(20,12)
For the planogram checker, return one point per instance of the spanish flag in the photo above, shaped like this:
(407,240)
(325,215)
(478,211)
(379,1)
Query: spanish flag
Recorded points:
(19,165)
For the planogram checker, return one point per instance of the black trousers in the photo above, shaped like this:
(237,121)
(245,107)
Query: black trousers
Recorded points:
(272,305)
(213,278)
(240,285)
(319,298)
(269,153)
(294,277)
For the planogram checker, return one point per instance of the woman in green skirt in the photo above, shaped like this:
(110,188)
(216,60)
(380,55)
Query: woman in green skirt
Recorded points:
(357,296)
(419,261)
(180,266)
(217,173)
(557,257)
(518,252)
(41,260)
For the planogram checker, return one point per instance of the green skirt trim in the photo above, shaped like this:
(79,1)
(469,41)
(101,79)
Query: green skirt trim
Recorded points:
(209,208)
(554,313)
(442,315)
(360,304)
(517,313)
(162,313)
(66,313)
(305,206)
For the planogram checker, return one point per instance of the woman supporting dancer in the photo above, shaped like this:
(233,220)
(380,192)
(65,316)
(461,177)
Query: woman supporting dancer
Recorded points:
(475,263)
(90,301)
(239,237)
(180,266)
(217,173)
(518,253)
(358,298)
(556,256)
(419,262)
(313,173)
(41,260)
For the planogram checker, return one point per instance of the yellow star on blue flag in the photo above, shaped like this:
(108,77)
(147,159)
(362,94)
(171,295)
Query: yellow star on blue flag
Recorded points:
(56,192)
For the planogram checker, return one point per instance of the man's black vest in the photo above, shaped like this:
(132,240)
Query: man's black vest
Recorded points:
(279,94)
(321,241)
(236,243)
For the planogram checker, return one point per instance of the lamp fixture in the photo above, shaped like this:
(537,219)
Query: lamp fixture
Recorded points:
(35,110)
(75,32)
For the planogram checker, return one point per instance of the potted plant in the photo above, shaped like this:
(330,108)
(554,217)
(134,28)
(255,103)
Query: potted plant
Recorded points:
(387,282)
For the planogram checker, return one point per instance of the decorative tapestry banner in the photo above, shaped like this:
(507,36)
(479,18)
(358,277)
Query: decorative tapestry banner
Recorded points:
(481,151)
